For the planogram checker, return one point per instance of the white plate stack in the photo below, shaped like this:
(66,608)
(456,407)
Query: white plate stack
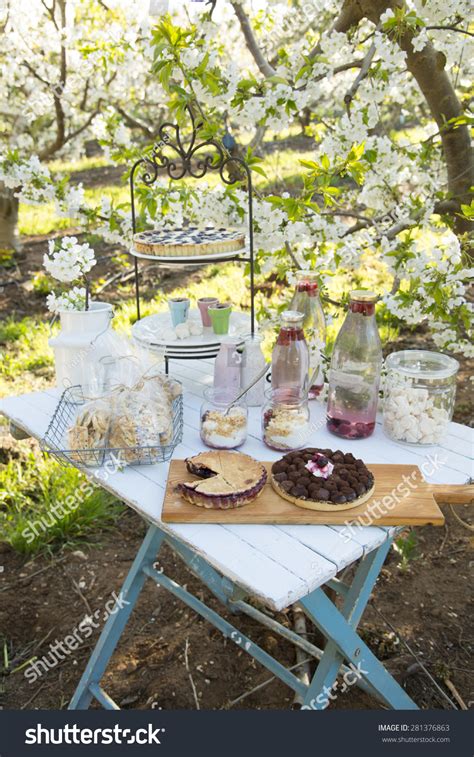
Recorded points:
(152,332)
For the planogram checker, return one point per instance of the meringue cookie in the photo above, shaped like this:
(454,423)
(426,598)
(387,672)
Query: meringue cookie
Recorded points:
(168,335)
(411,416)
(182,330)
(402,407)
(195,328)
(427,425)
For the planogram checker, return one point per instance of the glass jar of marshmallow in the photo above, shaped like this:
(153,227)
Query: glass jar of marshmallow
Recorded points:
(419,394)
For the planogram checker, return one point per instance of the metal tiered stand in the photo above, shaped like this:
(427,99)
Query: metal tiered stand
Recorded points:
(188,156)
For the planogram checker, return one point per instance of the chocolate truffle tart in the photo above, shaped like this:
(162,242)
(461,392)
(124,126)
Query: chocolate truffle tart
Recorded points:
(227,480)
(320,479)
(188,241)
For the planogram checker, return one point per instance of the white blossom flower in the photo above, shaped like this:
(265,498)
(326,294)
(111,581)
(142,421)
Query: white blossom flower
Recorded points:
(71,261)
(75,299)
(420,41)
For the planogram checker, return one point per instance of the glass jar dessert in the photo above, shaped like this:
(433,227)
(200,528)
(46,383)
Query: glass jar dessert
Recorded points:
(306,300)
(285,419)
(354,375)
(220,427)
(419,395)
(290,357)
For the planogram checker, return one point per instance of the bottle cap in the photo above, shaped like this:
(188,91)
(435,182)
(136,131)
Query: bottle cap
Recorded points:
(304,273)
(422,364)
(233,340)
(258,338)
(292,316)
(363,295)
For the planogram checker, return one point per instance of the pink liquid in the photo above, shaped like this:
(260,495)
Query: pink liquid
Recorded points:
(314,391)
(350,428)
(290,361)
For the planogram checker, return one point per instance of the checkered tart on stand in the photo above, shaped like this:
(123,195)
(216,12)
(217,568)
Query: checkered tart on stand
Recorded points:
(188,241)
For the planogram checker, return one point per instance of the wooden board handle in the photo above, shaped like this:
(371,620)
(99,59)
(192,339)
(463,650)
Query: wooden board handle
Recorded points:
(453,494)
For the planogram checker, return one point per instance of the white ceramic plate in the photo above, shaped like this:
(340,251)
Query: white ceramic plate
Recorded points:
(243,252)
(147,331)
(189,354)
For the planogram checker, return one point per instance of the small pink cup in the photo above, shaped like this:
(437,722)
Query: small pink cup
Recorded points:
(204,303)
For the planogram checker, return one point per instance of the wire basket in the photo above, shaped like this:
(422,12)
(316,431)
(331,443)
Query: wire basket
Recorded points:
(55,440)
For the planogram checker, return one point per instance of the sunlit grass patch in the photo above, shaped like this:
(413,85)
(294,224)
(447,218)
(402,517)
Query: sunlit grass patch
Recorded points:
(24,354)
(45,506)
(226,282)
(43,219)
(283,170)
(78,164)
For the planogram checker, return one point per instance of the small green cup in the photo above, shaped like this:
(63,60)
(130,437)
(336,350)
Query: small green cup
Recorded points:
(220,317)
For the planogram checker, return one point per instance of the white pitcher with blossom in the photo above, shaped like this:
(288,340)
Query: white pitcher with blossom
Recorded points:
(83,321)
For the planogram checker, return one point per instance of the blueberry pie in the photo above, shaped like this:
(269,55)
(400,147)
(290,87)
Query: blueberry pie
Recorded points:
(188,241)
(225,480)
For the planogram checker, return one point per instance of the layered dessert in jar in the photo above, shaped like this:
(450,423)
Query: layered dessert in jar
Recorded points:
(286,427)
(222,430)
(223,423)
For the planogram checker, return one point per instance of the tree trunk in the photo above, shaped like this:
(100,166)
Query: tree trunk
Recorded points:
(427,67)
(9,237)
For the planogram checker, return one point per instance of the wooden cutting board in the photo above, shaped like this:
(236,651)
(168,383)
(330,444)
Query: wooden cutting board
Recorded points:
(392,504)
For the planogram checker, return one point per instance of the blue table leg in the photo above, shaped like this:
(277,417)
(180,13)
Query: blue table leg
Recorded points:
(115,625)
(344,643)
(201,569)
(338,626)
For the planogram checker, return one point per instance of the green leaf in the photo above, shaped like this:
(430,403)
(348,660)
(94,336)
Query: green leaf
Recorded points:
(468,210)
(325,162)
(277,80)
(309,164)
(356,151)
(370,156)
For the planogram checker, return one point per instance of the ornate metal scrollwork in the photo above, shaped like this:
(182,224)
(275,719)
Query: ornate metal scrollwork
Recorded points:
(187,158)
(179,155)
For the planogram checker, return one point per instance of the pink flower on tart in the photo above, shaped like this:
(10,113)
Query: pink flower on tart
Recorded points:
(320,466)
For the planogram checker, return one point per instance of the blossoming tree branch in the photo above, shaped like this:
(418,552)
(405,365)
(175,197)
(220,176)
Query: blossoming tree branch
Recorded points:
(382,89)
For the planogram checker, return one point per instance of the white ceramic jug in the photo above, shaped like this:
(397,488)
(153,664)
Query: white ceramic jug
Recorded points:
(77,345)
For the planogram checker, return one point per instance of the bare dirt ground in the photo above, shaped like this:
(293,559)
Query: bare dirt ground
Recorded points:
(429,605)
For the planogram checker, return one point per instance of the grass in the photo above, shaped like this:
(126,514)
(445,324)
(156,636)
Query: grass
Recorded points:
(79,164)
(283,170)
(225,281)
(43,219)
(43,507)
(406,547)
(26,360)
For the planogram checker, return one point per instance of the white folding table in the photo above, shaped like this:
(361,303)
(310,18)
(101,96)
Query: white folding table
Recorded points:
(276,565)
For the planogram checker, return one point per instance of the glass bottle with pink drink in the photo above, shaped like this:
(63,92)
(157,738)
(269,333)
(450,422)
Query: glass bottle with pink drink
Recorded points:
(290,357)
(306,300)
(354,376)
